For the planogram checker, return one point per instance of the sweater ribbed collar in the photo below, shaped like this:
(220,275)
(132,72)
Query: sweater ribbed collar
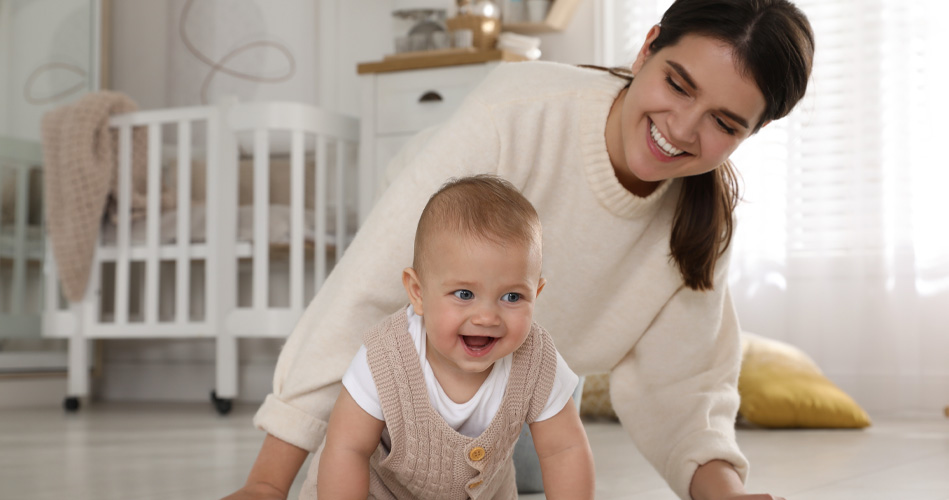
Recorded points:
(598,98)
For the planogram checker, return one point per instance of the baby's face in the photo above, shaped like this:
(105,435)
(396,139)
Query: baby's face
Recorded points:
(477,300)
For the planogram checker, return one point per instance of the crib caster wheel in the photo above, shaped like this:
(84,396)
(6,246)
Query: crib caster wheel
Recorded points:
(222,405)
(71,404)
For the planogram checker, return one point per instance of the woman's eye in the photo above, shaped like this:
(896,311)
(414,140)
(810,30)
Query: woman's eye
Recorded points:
(728,130)
(464,294)
(511,297)
(674,86)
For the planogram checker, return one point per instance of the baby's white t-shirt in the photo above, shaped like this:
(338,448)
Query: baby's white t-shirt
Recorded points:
(472,417)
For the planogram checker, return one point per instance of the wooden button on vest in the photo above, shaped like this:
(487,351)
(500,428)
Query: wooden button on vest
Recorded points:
(474,485)
(476,453)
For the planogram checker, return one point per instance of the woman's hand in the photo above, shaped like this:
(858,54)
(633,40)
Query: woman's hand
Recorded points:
(273,472)
(717,480)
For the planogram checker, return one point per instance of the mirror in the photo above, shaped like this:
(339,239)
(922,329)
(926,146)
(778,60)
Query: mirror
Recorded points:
(50,52)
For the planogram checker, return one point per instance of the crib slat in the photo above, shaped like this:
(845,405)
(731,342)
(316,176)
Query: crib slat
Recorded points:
(152,218)
(124,219)
(220,195)
(2,168)
(22,173)
(340,198)
(320,201)
(44,242)
(261,217)
(51,286)
(297,184)
(183,264)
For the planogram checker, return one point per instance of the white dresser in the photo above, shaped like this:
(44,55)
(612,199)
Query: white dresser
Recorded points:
(398,104)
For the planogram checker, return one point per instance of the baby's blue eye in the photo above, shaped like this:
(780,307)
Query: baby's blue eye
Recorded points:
(464,294)
(511,297)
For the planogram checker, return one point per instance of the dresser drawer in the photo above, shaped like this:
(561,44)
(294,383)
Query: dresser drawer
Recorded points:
(410,101)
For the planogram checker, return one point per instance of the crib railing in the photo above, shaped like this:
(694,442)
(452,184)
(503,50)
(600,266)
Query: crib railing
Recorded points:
(127,270)
(334,139)
(21,238)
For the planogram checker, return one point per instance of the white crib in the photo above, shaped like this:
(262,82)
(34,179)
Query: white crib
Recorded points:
(21,238)
(238,257)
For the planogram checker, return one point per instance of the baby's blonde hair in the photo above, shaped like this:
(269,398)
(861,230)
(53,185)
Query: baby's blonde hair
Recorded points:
(484,206)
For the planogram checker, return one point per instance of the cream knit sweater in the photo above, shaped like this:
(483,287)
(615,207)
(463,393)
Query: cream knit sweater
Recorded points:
(614,300)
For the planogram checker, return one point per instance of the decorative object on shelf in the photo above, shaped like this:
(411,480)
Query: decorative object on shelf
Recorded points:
(546,16)
(420,29)
(486,8)
(483,19)
(527,46)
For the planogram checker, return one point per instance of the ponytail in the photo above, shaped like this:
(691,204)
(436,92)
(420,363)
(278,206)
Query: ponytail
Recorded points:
(704,223)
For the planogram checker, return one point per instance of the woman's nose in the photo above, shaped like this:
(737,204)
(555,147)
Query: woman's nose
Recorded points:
(684,125)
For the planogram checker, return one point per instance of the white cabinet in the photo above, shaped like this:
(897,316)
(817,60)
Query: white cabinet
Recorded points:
(398,104)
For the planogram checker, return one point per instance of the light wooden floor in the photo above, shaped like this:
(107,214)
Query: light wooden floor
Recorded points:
(137,452)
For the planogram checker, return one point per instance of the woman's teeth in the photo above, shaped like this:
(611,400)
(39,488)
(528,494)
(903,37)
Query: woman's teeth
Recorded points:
(664,145)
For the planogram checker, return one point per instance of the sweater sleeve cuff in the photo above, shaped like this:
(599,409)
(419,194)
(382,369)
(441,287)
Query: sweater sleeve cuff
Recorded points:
(699,449)
(290,424)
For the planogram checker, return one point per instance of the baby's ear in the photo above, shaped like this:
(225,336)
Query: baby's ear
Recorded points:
(540,285)
(413,287)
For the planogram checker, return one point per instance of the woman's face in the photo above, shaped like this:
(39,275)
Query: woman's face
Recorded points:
(686,110)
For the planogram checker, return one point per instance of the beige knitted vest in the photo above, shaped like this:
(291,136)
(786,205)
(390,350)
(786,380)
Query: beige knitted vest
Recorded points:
(429,459)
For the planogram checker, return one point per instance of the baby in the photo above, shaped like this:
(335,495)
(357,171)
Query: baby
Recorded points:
(435,399)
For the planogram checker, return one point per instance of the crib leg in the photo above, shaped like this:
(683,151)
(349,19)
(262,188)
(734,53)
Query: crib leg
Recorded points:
(226,374)
(77,376)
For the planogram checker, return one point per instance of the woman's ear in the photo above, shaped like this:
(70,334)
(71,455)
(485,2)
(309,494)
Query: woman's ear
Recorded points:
(645,51)
(413,287)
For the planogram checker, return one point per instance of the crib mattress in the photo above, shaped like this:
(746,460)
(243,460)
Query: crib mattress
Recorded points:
(279,227)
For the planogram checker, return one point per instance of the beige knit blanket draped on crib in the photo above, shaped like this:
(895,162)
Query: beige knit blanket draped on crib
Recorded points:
(80,175)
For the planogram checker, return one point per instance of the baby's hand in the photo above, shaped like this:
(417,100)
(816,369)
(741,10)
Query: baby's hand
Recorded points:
(755,496)
(257,491)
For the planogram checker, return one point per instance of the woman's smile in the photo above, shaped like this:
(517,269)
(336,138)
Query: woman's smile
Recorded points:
(662,149)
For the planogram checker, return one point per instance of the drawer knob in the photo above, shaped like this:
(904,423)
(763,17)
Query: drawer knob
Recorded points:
(431,96)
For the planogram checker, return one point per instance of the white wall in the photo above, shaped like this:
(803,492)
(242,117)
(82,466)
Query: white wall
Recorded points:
(147,52)
(159,65)
(46,59)
(139,51)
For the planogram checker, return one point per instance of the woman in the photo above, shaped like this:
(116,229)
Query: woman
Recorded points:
(630,176)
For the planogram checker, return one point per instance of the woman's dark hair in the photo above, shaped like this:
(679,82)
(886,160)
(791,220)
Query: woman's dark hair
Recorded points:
(773,44)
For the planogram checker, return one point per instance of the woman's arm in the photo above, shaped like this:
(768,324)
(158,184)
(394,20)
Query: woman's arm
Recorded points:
(273,472)
(676,391)
(353,435)
(566,460)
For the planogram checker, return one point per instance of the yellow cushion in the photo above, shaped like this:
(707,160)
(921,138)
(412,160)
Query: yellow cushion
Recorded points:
(780,386)
(595,402)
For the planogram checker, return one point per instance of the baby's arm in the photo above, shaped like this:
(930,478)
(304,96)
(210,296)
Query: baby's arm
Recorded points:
(351,438)
(566,460)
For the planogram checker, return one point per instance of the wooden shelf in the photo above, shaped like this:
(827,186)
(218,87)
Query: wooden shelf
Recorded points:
(435,59)
(559,15)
